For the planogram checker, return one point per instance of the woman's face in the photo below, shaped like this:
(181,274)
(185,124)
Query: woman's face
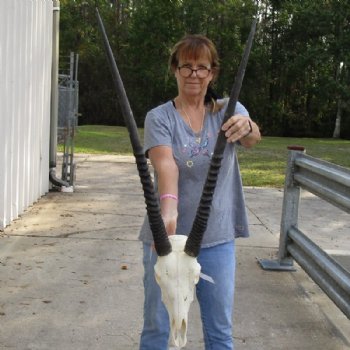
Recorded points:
(193,85)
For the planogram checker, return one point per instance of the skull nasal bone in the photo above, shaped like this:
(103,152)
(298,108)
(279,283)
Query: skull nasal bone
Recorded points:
(179,335)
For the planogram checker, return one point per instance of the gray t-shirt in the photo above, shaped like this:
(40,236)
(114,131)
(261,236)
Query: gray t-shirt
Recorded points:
(192,153)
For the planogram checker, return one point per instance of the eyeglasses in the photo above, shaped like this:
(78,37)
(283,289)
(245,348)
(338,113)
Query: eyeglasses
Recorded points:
(201,72)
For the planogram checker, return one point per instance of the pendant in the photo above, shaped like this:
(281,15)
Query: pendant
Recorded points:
(198,140)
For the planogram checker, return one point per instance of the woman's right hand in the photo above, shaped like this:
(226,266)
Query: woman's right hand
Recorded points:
(169,214)
(168,175)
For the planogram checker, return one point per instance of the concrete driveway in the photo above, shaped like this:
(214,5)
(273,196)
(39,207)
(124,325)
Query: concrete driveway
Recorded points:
(71,271)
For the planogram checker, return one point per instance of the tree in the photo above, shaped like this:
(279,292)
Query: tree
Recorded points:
(305,51)
(79,33)
(291,85)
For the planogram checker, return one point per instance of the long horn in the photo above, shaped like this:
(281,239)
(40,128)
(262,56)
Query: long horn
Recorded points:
(200,222)
(160,237)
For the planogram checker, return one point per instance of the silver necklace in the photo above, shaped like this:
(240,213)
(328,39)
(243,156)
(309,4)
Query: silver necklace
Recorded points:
(198,134)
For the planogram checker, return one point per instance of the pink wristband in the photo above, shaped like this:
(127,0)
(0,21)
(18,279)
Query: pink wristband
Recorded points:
(168,195)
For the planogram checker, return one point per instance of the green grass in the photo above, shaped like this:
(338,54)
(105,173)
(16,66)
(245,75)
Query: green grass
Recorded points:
(264,165)
(100,139)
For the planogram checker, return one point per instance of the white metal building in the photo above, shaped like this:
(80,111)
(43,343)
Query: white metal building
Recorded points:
(25,92)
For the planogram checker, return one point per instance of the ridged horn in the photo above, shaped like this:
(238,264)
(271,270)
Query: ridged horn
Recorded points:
(160,237)
(199,226)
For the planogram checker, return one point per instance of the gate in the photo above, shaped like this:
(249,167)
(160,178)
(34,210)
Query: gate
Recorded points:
(68,101)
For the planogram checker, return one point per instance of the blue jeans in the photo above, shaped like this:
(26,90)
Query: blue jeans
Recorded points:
(215,300)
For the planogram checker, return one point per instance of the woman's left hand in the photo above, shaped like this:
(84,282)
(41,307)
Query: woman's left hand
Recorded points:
(237,127)
(241,128)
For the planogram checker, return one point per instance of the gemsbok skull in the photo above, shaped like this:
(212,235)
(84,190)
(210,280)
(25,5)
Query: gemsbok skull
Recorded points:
(177,270)
(177,273)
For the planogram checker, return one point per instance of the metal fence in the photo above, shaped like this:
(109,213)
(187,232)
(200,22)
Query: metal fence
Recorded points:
(331,183)
(68,102)
(25,86)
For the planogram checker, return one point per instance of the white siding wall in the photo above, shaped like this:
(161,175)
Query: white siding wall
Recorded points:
(25,78)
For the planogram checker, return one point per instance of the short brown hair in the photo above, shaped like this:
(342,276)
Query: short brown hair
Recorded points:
(195,46)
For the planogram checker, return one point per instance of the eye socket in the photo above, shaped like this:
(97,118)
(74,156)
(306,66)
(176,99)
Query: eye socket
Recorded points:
(157,277)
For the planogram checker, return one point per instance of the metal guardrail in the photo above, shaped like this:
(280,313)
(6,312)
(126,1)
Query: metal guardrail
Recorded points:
(331,183)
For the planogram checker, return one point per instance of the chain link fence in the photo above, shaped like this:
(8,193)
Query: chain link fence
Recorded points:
(68,102)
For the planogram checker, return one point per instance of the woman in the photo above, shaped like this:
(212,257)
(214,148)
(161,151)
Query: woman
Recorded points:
(180,136)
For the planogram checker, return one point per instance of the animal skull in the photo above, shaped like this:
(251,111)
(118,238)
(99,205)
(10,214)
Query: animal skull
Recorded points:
(177,273)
